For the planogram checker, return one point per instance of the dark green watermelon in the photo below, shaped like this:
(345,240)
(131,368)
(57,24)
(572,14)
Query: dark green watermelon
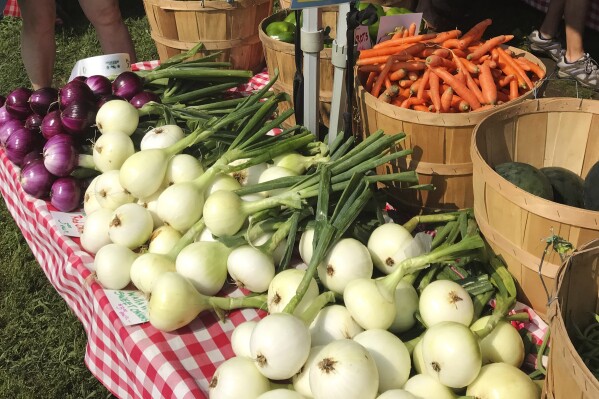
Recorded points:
(567,185)
(527,177)
(591,189)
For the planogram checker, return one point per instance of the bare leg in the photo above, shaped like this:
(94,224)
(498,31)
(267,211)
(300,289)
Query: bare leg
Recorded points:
(112,32)
(554,15)
(575,17)
(38,46)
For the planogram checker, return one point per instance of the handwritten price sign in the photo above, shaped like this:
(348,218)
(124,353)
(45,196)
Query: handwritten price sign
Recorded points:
(70,224)
(362,38)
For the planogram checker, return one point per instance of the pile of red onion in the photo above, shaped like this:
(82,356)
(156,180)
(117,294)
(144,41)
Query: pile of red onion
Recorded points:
(42,131)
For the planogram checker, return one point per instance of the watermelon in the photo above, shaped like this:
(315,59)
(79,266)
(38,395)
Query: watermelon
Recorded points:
(567,185)
(527,177)
(591,189)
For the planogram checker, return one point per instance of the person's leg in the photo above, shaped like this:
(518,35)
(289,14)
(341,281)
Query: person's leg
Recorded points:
(575,16)
(38,46)
(112,32)
(553,18)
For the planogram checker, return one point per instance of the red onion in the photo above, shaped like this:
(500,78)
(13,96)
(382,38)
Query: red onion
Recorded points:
(127,84)
(32,156)
(52,125)
(17,103)
(80,77)
(65,194)
(76,91)
(144,97)
(104,99)
(60,156)
(21,142)
(34,122)
(7,129)
(77,117)
(43,100)
(99,84)
(36,179)
(5,116)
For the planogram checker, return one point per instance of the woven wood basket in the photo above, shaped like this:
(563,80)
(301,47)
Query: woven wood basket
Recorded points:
(280,55)
(547,132)
(177,26)
(441,144)
(577,298)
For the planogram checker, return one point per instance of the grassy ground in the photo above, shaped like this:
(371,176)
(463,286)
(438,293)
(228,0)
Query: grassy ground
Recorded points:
(42,344)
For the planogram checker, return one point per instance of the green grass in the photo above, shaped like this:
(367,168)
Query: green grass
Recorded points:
(42,343)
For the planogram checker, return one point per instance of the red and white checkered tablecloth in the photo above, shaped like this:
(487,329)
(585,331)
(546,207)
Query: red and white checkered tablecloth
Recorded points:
(592,15)
(12,9)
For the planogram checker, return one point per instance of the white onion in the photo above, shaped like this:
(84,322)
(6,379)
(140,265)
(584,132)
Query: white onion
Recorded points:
(281,393)
(147,268)
(445,300)
(237,378)
(180,205)
(142,174)
(297,162)
(111,150)
(163,239)
(283,287)
(205,265)
(278,252)
(332,323)
(396,394)
(344,369)
(370,305)
(306,247)
(90,203)
(117,115)
(273,173)
(417,360)
(502,345)
(451,354)
(250,175)
(131,225)
(240,338)
(161,137)
(151,204)
(301,380)
(182,168)
(112,264)
(425,386)
(384,242)
(95,230)
(109,192)
(390,355)
(205,235)
(280,344)
(503,381)
(222,182)
(406,305)
(347,260)
(251,268)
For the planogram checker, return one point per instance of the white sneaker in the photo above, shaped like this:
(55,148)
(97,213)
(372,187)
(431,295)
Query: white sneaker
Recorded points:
(551,47)
(585,71)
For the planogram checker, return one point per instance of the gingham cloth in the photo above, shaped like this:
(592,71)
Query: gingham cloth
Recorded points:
(12,9)
(592,14)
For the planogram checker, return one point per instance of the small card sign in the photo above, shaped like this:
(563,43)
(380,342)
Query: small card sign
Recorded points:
(362,38)
(299,4)
(69,224)
(389,23)
(130,306)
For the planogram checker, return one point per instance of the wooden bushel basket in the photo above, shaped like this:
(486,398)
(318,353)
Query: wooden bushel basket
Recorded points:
(577,298)
(547,132)
(177,26)
(441,144)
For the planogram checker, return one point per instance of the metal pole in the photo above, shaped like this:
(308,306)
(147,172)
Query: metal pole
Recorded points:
(339,60)
(312,43)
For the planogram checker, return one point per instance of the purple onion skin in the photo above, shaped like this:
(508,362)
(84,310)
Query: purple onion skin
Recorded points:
(127,84)
(80,77)
(77,117)
(109,97)
(32,156)
(2,101)
(144,97)
(43,100)
(7,129)
(60,158)
(17,103)
(52,125)
(59,139)
(20,143)
(75,92)
(65,194)
(100,85)
(5,116)
(36,179)
(34,123)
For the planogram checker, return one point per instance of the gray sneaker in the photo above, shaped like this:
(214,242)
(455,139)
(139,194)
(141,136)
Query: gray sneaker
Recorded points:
(585,71)
(551,47)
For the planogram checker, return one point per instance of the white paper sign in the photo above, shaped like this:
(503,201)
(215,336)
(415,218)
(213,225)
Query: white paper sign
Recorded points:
(130,306)
(69,224)
(362,38)
(106,65)
(389,23)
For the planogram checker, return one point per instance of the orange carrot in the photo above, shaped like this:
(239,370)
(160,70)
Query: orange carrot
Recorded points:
(414,86)
(522,64)
(411,101)
(534,67)
(398,33)
(520,74)
(376,88)
(412,29)
(433,82)
(464,106)
(405,51)
(370,81)
(446,99)
(451,43)
(469,65)
(455,101)
(487,84)
(505,80)
(406,33)
(405,67)
(459,87)
(389,94)
(387,82)
(422,86)
(405,40)
(475,33)
(420,107)
(399,74)
(475,88)
(413,75)
(513,89)
(488,46)
(404,83)
(459,52)
(441,37)
(441,52)
(461,70)
(435,60)
(370,68)
(486,57)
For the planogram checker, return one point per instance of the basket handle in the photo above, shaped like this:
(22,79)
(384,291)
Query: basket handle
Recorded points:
(177,5)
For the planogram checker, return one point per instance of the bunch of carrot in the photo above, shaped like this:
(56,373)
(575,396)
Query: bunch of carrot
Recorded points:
(447,71)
